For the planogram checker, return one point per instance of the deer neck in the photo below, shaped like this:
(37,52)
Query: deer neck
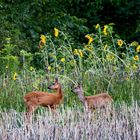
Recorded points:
(82,98)
(59,92)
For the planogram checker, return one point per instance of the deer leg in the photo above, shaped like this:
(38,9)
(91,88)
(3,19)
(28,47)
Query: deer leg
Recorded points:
(53,110)
(31,107)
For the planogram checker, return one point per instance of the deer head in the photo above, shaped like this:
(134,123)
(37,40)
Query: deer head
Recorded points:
(55,85)
(79,91)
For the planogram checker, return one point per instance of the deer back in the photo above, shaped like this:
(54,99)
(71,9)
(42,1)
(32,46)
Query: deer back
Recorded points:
(99,100)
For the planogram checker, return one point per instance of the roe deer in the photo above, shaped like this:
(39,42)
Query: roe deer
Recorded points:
(37,98)
(95,101)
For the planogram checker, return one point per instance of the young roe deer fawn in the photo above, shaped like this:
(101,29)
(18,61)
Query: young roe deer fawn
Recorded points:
(37,98)
(95,101)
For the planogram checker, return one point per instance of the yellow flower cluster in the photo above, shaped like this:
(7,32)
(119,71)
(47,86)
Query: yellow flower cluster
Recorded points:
(90,39)
(56,32)
(42,41)
(105,30)
(78,52)
(120,42)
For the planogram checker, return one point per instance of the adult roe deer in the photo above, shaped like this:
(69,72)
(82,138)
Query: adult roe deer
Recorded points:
(95,101)
(37,98)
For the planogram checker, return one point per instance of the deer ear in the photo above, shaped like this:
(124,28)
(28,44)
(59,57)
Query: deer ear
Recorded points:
(56,79)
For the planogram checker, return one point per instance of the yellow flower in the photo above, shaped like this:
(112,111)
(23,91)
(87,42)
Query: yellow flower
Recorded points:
(56,32)
(62,60)
(78,52)
(49,67)
(15,76)
(136,57)
(109,57)
(43,39)
(97,26)
(134,43)
(105,30)
(105,47)
(138,48)
(120,42)
(90,39)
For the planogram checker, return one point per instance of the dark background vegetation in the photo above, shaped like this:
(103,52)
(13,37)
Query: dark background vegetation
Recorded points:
(24,20)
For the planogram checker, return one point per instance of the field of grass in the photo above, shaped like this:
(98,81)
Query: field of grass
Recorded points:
(104,63)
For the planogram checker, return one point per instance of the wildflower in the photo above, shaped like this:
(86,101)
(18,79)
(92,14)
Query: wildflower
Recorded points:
(97,26)
(134,43)
(62,60)
(15,76)
(105,47)
(42,41)
(78,52)
(43,38)
(49,67)
(136,57)
(56,32)
(120,42)
(109,57)
(105,30)
(90,39)
(138,48)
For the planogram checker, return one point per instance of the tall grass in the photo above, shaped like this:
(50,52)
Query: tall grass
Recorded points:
(12,92)
(73,124)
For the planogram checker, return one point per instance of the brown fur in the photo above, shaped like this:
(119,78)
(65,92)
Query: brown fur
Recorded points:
(45,99)
(95,101)
(98,100)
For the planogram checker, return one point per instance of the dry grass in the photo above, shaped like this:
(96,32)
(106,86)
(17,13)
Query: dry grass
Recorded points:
(73,124)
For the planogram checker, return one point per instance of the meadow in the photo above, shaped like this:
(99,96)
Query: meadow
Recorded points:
(103,62)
